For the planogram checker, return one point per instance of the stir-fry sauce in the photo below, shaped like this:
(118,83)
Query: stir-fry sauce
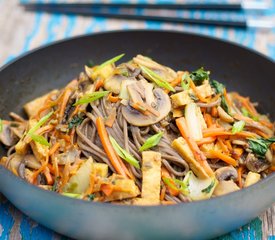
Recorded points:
(140,133)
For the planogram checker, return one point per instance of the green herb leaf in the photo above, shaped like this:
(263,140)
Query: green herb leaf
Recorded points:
(88,98)
(219,87)
(183,186)
(238,127)
(245,112)
(1,125)
(41,122)
(185,81)
(199,76)
(209,188)
(39,139)
(151,141)
(72,195)
(77,120)
(260,146)
(157,79)
(110,61)
(124,154)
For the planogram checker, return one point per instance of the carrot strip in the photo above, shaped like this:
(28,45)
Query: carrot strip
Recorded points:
(92,183)
(228,144)
(65,99)
(267,124)
(194,88)
(214,111)
(162,193)
(107,189)
(208,120)
(54,148)
(227,98)
(140,108)
(48,176)
(206,140)
(214,132)
(237,153)
(218,154)
(75,111)
(99,83)
(223,146)
(165,174)
(240,173)
(199,156)
(272,168)
(114,158)
(112,98)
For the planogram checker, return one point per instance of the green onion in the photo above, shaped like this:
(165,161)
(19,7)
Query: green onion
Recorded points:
(1,125)
(72,195)
(238,127)
(88,98)
(151,141)
(185,81)
(183,186)
(39,139)
(157,79)
(124,154)
(42,121)
(245,112)
(110,61)
(167,181)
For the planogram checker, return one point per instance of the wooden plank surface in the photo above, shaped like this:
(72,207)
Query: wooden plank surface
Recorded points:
(22,31)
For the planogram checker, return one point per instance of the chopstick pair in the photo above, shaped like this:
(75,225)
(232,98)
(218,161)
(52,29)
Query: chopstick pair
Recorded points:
(103,10)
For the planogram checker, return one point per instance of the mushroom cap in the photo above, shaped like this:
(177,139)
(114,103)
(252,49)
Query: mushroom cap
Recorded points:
(226,173)
(7,137)
(256,164)
(162,105)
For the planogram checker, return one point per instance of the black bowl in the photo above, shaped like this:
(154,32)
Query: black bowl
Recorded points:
(53,66)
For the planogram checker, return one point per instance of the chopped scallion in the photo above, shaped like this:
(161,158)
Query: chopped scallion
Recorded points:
(151,141)
(238,127)
(88,98)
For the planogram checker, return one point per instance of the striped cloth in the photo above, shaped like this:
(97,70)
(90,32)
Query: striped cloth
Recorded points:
(22,31)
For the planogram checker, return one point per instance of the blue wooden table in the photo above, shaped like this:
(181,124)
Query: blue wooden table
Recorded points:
(22,31)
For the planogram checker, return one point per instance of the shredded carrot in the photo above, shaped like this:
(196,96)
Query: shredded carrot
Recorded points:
(41,169)
(237,153)
(112,98)
(107,189)
(214,132)
(266,123)
(113,157)
(75,111)
(65,175)
(258,131)
(272,168)
(66,96)
(218,154)
(48,176)
(111,118)
(173,190)
(228,144)
(223,146)
(99,83)
(72,135)
(162,193)
(199,156)
(54,148)
(91,184)
(41,110)
(140,108)
(214,111)
(206,140)
(227,98)
(208,120)
(175,82)
(240,173)
(197,93)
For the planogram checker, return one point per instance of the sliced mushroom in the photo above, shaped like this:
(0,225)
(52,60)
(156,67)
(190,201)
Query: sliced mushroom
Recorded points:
(14,162)
(166,73)
(226,173)
(68,156)
(255,164)
(224,116)
(225,187)
(31,161)
(7,137)
(161,104)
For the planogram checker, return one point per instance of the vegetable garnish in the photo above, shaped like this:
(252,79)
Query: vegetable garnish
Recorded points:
(1,125)
(77,120)
(219,87)
(151,141)
(41,122)
(260,146)
(39,139)
(185,81)
(110,61)
(124,154)
(209,188)
(157,79)
(199,76)
(245,112)
(238,126)
(88,98)
(183,185)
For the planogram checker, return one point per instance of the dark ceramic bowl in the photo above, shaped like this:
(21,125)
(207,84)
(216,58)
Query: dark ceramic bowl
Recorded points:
(53,66)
